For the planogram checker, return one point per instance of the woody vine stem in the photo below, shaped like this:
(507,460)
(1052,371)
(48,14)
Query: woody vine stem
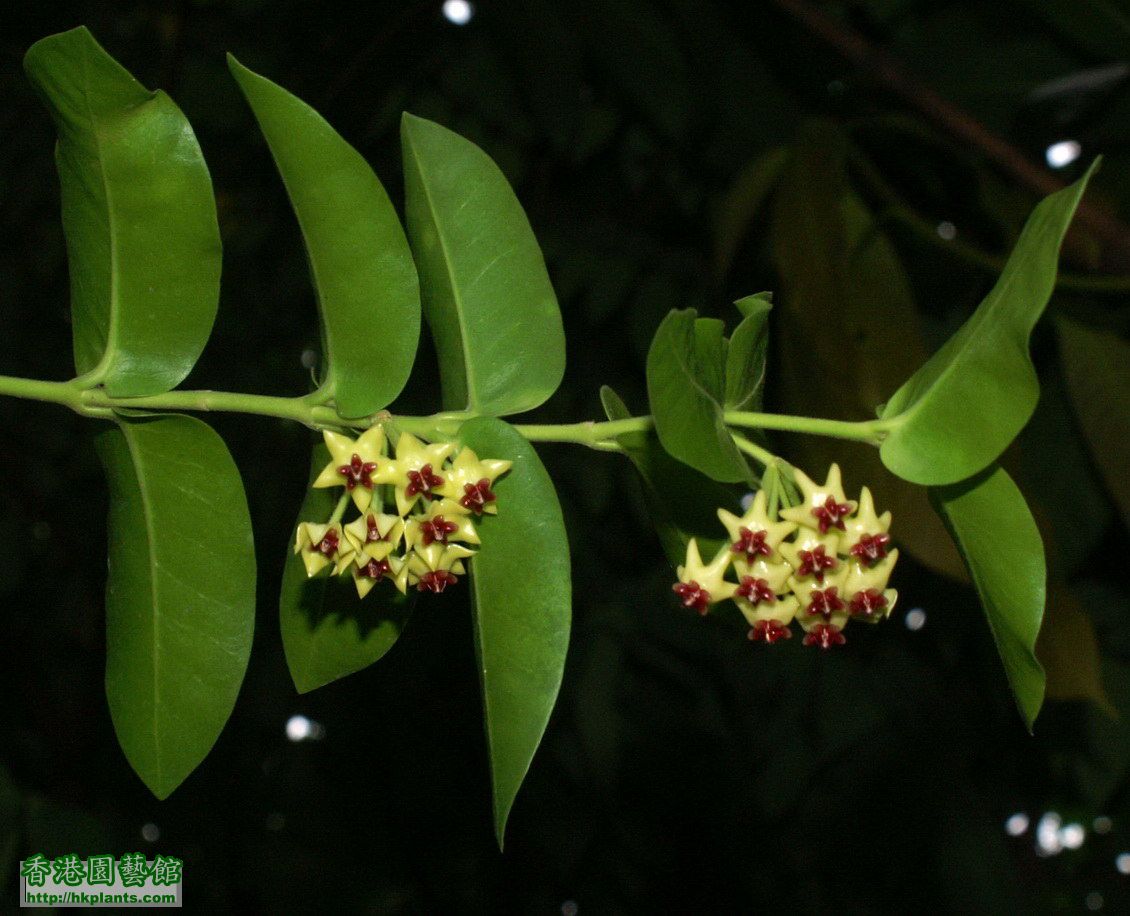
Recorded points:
(312,410)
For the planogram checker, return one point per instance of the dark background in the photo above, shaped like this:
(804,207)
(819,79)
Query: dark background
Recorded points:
(684,769)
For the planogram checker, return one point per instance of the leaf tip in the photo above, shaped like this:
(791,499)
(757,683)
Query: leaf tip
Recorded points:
(238,71)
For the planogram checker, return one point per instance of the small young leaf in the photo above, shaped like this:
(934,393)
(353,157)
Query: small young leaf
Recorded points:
(180,593)
(936,435)
(487,296)
(360,262)
(683,503)
(520,581)
(143,243)
(998,539)
(327,631)
(685,386)
(745,358)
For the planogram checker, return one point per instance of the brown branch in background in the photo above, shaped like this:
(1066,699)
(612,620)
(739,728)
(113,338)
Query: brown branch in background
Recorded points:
(1100,222)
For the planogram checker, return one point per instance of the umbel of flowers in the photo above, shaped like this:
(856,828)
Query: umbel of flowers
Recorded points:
(417,507)
(822,563)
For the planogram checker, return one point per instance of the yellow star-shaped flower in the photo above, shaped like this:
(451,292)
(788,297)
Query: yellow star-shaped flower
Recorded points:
(781,611)
(824,507)
(354,463)
(865,522)
(366,575)
(416,471)
(321,545)
(433,568)
(374,535)
(700,584)
(443,521)
(812,555)
(822,602)
(470,479)
(861,577)
(754,535)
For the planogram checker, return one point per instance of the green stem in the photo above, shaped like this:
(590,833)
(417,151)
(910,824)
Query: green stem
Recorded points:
(339,510)
(771,483)
(590,433)
(870,431)
(762,456)
(310,412)
(95,402)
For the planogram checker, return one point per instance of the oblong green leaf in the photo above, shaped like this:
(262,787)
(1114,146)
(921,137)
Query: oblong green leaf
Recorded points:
(143,243)
(685,394)
(180,593)
(521,588)
(957,413)
(998,539)
(746,355)
(361,265)
(487,296)
(327,631)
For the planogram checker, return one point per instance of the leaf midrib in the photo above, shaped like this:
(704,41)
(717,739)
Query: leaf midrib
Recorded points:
(109,352)
(468,374)
(150,539)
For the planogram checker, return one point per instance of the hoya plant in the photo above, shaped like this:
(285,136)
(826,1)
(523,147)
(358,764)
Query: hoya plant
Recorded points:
(402,510)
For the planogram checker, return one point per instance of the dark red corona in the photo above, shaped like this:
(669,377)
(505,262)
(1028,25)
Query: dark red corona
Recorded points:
(871,548)
(815,562)
(357,473)
(376,569)
(423,482)
(755,591)
(831,514)
(769,631)
(436,581)
(825,636)
(752,544)
(477,495)
(437,529)
(328,545)
(692,595)
(825,602)
(868,602)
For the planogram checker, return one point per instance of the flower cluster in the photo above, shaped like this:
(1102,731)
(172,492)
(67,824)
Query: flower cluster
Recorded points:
(823,562)
(436,498)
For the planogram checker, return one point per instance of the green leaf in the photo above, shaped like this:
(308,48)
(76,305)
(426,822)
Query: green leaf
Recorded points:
(1096,365)
(685,386)
(487,296)
(935,436)
(745,358)
(998,539)
(683,503)
(327,631)
(522,598)
(139,216)
(180,593)
(360,262)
